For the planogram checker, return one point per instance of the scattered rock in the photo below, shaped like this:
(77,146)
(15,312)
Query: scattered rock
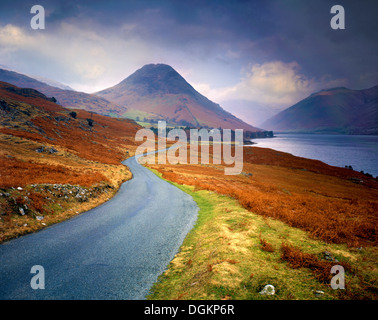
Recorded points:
(45,149)
(39,217)
(60,118)
(268,290)
(247,174)
(4,106)
(318,293)
(356,180)
(19,188)
(329,257)
(22,212)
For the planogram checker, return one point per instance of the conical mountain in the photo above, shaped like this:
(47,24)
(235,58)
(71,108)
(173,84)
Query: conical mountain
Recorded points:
(158,92)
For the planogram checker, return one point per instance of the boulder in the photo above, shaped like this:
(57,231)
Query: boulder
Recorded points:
(268,290)
(319,293)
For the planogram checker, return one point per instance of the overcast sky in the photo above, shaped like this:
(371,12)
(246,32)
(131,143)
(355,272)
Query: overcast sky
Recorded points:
(270,52)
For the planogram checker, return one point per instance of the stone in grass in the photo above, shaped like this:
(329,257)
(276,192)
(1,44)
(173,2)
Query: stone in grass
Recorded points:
(22,212)
(328,256)
(39,217)
(268,290)
(319,293)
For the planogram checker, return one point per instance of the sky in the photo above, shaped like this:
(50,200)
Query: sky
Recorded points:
(241,54)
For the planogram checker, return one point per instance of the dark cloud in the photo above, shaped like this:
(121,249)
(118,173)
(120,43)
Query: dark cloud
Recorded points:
(226,34)
(62,11)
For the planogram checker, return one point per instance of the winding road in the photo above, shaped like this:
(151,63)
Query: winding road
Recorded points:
(114,251)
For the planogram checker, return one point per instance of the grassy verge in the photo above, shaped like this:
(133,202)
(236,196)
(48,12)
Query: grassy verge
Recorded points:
(232,253)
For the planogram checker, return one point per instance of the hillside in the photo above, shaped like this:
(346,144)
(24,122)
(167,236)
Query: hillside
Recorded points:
(338,110)
(270,224)
(53,163)
(285,221)
(157,91)
(67,98)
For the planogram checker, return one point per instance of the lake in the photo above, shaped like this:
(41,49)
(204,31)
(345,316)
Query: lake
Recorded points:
(361,152)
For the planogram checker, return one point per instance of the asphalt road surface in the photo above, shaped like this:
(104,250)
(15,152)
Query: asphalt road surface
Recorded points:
(115,251)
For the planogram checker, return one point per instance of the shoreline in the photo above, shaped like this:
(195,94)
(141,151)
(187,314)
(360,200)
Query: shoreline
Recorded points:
(231,227)
(284,148)
(98,201)
(234,228)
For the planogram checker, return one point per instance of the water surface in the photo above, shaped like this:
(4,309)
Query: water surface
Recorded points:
(359,151)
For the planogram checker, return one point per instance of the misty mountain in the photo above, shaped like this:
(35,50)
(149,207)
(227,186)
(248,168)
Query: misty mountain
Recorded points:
(158,92)
(67,98)
(252,112)
(52,83)
(337,110)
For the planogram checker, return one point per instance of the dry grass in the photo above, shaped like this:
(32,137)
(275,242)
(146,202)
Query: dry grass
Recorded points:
(294,210)
(321,268)
(232,253)
(266,246)
(303,193)
(86,156)
(52,207)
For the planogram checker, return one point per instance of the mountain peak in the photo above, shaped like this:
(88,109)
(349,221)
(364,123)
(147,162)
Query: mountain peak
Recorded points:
(154,69)
(157,66)
(158,92)
(157,79)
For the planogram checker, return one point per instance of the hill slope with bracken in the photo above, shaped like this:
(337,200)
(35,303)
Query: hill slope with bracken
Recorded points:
(67,98)
(55,162)
(157,91)
(338,110)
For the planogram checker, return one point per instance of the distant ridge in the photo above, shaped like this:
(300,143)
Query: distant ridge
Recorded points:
(67,98)
(336,110)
